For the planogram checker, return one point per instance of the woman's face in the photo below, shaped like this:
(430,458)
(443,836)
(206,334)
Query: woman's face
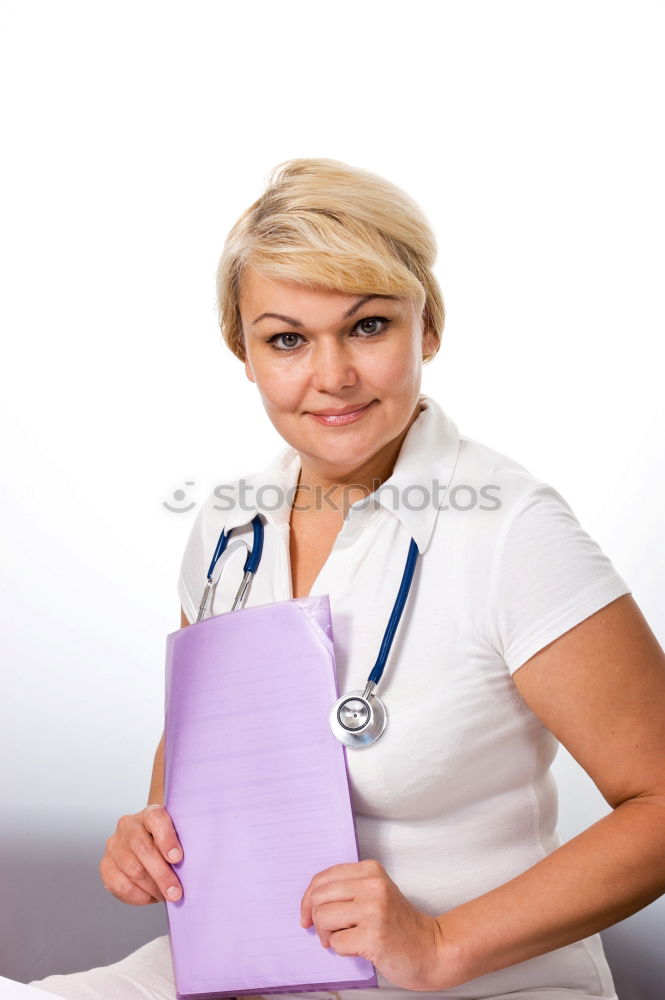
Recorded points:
(319,351)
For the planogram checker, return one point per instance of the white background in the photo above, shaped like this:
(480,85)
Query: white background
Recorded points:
(134,135)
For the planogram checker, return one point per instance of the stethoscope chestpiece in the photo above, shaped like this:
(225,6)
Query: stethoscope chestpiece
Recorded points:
(358,718)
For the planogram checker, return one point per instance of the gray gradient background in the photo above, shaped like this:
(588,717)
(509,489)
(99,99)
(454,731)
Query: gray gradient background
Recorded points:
(139,132)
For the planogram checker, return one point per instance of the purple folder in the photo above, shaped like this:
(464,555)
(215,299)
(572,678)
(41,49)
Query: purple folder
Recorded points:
(257,787)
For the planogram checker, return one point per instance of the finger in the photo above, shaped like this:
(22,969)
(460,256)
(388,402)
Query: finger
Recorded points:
(126,860)
(331,892)
(142,851)
(352,871)
(122,887)
(338,916)
(326,889)
(347,942)
(157,820)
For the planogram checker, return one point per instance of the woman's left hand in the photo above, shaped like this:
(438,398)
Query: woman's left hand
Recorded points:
(357,909)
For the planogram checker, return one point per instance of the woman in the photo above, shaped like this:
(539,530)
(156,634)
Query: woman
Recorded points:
(518,632)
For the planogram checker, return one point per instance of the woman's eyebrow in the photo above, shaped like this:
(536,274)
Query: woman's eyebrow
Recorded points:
(349,312)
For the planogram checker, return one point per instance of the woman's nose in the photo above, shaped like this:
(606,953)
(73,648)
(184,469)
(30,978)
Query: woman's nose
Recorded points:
(332,366)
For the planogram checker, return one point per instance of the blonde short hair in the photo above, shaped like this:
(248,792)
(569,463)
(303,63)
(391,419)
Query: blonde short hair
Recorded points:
(324,224)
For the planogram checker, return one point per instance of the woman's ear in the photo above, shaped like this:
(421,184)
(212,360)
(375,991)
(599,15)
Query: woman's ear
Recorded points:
(430,342)
(248,371)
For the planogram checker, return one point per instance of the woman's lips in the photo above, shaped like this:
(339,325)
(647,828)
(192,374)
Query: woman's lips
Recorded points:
(342,418)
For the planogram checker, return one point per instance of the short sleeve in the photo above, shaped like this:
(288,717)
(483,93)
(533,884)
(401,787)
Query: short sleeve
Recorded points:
(193,569)
(547,575)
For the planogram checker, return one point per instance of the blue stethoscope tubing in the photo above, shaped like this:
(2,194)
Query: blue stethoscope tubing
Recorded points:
(358,718)
(249,569)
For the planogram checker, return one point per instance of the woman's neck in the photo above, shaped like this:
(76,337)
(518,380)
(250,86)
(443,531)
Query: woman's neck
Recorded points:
(339,488)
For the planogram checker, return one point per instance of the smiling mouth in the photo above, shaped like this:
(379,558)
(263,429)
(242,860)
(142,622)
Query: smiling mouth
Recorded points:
(338,413)
(336,418)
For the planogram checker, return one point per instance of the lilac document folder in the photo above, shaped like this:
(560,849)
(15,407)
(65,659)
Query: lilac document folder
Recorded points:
(257,787)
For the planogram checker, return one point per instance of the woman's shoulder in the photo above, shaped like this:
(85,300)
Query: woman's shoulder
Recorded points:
(469,467)
(499,513)
(483,471)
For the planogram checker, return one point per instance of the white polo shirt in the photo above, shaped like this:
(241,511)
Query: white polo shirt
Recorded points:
(457,796)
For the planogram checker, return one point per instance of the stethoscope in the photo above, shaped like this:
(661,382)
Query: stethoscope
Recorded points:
(358,718)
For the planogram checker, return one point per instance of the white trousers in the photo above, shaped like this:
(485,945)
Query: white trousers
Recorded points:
(147,974)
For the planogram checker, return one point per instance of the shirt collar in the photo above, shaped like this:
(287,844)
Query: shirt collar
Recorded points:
(413,493)
(424,468)
(269,492)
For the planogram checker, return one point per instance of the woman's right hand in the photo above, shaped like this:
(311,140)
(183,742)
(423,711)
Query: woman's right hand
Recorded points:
(136,866)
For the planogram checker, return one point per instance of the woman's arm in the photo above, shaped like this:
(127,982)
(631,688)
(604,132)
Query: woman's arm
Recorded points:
(600,689)
(156,793)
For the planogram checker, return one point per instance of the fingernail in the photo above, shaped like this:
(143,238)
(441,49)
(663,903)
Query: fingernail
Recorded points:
(173,892)
(174,855)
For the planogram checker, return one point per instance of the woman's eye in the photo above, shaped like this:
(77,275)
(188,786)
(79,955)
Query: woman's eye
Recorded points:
(284,347)
(286,342)
(363,324)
